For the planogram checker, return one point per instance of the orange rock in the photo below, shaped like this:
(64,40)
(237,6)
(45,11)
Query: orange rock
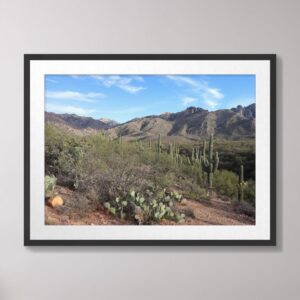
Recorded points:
(56,201)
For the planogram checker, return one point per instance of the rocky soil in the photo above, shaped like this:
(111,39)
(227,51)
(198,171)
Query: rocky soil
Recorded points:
(78,210)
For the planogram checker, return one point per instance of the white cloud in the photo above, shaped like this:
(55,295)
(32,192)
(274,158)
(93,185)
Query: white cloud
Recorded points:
(131,89)
(51,80)
(188,100)
(199,87)
(68,109)
(215,93)
(76,96)
(125,83)
(182,80)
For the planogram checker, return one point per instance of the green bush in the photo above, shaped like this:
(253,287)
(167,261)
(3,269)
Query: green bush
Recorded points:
(192,190)
(50,182)
(64,153)
(244,207)
(225,183)
(249,192)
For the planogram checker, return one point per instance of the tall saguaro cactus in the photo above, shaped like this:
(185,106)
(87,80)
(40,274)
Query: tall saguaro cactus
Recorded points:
(241,184)
(204,149)
(210,164)
(193,154)
(141,148)
(171,151)
(188,161)
(196,154)
(177,155)
(121,143)
(159,145)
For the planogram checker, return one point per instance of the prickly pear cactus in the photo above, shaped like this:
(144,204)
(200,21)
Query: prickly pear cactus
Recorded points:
(148,208)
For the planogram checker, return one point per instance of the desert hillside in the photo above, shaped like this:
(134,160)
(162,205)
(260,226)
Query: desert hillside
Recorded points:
(193,167)
(193,122)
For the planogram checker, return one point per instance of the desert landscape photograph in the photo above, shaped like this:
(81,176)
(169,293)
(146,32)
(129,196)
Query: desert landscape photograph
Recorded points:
(150,149)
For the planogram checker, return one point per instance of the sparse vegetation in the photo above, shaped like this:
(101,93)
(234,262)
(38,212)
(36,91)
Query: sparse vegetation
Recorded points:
(143,181)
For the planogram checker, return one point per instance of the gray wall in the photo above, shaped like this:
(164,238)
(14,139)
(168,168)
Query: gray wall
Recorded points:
(144,26)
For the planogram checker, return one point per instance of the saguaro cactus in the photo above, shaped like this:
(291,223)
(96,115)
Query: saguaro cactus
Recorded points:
(188,161)
(241,184)
(176,154)
(141,148)
(196,154)
(171,150)
(159,145)
(209,164)
(180,160)
(193,154)
(200,154)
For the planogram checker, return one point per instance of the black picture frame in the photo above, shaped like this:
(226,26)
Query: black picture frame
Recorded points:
(31,57)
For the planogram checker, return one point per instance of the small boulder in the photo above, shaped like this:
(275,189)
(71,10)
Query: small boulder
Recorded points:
(56,201)
(184,201)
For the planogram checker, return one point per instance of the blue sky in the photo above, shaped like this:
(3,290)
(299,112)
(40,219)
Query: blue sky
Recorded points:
(124,97)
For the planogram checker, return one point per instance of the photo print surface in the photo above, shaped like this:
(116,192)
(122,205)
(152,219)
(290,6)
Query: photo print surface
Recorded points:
(150,149)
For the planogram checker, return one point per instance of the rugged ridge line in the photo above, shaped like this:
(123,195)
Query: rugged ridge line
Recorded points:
(238,122)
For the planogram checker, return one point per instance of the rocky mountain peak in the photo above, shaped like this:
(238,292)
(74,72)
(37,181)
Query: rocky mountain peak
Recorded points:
(246,111)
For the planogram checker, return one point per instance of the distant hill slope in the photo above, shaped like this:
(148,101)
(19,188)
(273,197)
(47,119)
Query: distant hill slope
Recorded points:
(78,122)
(191,123)
(109,122)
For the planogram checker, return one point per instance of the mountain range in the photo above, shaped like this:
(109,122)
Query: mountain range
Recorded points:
(78,122)
(192,122)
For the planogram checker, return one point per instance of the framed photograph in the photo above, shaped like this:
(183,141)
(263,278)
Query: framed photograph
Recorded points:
(150,149)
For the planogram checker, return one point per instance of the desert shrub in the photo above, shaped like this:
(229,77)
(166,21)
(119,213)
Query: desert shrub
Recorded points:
(149,208)
(249,192)
(164,179)
(64,153)
(115,180)
(192,190)
(233,153)
(244,207)
(50,182)
(225,182)
(53,148)
(188,212)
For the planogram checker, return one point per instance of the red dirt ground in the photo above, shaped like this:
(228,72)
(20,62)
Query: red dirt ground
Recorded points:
(79,211)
